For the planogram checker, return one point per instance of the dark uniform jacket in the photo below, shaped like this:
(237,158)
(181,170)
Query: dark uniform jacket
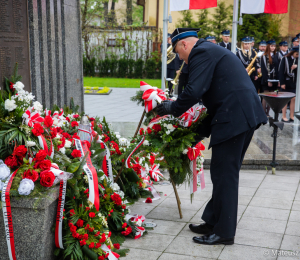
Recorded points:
(222,44)
(287,76)
(246,60)
(217,77)
(269,71)
(280,55)
(178,64)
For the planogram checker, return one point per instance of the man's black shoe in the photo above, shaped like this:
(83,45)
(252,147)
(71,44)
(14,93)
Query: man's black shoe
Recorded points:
(203,228)
(213,239)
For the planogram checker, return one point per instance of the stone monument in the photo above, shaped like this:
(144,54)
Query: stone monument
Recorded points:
(44,37)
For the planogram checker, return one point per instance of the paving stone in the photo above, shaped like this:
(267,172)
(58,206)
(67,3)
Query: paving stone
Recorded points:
(296,205)
(151,241)
(265,225)
(141,254)
(281,179)
(171,214)
(295,216)
(185,204)
(279,186)
(257,238)
(141,209)
(244,200)
(275,194)
(183,246)
(249,183)
(291,243)
(185,194)
(166,227)
(267,213)
(293,228)
(272,203)
(241,252)
(186,232)
(247,191)
(252,173)
(168,256)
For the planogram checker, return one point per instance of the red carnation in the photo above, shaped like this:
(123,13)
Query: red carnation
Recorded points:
(73,228)
(79,223)
(53,132)
(43,165)
(68,119)
(66,135)
(116,199)
(87,208)
(97,246)
(101,257)
(11,86)
(74,123)
(92,214)
(48,121)
(63,142)
(37,129)
(41,155)
(148,200)
(11,161)
(141,131)
(30,174)
(86,236)
(106,138)
(124,225)
(92,119)
(117,246)
(127,231)
(156,128)
(76,153)
(92,245)
(75,116)
(149,131)
(152,159)
(137,168)
(47,178)
(75,136)
(82,242)
(20,151)
(72,212)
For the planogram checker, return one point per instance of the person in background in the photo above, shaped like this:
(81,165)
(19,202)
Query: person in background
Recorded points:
(170,68)
(261,48)
(269,69)
(184,74)
(246,55)
(212,39)
(288,78)
(283,50)
(252,44)
(295,42)
(225,43)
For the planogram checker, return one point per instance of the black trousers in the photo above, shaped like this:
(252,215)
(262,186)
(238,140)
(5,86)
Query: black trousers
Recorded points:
(183,81)
(171,75)
(226,161)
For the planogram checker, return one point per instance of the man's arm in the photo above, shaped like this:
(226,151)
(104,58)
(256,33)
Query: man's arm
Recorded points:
(201,69)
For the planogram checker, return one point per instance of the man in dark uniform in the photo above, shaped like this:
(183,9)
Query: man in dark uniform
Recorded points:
(234,112)
(210,38)
(295,42)
(225,43)
(252,44)
(170,68)
(262,45)
(283,50)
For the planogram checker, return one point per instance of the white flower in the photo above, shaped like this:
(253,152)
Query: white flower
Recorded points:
(37,106)
(146,142)
(10,105)
(168,132)
(4,171)
(121,193)
(123,141)
(63,150)
(55,121)
(116,187)
(117,133)
(68,144)
(185,151)
(170,127)
(19,86)
(26,186)
(118,136)
(30,143)
(93,151)
(139,223)
(174,98)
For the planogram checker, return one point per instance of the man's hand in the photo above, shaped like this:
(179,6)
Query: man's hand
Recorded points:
(165,108)
(178,71)
(294,66)
(259,71)
(283,86)
(270,84)
(255,78)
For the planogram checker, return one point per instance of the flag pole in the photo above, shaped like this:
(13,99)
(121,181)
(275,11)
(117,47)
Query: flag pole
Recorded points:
(234,25)
(164,45)
(297,102)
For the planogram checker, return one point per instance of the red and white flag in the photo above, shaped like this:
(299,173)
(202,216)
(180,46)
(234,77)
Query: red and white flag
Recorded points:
(180,5)
(264,6)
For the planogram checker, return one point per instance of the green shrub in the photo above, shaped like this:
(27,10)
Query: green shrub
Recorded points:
(150,68)
(131,64)
(122,68)
(138,69)
(113,67)
(105,67)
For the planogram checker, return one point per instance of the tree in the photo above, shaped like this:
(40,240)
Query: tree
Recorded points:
(222,19)
(129,11)
(260,26)
(203,23)
(187,20)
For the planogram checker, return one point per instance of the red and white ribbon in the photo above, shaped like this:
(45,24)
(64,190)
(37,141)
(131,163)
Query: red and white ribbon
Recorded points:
(191,116)
(32,118)
(43,144)
(90,172)
(139,232)
(194,179)
(60,213)
(58,113)
(106,165)
(155,172)
(111,255)
(8,224)
(152,96)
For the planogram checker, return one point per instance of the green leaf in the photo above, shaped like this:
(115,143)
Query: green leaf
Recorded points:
(73,167)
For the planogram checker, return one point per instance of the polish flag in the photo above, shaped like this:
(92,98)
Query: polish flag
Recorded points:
(264,6)
(180,5)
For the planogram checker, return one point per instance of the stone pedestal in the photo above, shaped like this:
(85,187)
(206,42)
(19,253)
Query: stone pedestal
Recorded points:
(33,221)
(44,37)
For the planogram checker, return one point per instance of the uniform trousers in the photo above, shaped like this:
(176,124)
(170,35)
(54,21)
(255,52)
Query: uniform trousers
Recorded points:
(226,161)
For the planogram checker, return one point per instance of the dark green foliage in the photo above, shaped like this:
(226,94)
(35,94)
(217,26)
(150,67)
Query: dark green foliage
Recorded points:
(138,68)
(150,68)
(105,66)
(131,63)
(113,67)
(203,23)
(123,68)
(89,66)
(187,20)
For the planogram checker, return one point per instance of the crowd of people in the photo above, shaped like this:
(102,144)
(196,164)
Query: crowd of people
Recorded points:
(274,67)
